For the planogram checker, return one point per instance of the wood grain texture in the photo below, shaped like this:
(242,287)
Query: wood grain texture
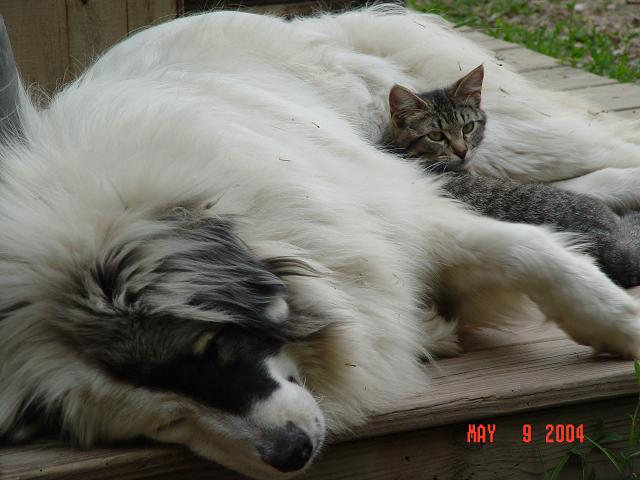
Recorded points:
(567,78)
(54,40)
(506,377)
(548,73)
(142,13)
(531,369)
(298,8)
(441,452)
(284,8)
(39,37)
(488,42)
(444,454)
(632,114)
(94,25)
(523,60)
(619,96)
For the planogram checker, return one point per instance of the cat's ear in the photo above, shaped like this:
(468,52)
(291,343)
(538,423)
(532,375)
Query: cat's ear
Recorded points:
(469,88)
(403,102)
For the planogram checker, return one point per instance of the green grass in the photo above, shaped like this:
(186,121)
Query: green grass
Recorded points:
(622,459)
(570,38)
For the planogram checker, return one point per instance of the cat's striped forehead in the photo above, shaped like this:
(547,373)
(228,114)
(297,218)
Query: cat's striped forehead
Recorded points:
(443,112)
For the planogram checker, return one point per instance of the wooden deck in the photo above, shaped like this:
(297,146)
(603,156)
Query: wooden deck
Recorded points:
(533,376)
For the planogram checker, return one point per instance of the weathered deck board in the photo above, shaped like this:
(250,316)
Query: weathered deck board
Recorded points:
(515,372)
(490,43)
(523,60)
(604,92)
(508,378)
(614,97)
(567,78)
(633,113)
(531,375)
(440,452)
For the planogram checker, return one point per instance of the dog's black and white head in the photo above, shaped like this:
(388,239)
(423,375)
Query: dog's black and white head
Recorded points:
(168,328)
(153,319)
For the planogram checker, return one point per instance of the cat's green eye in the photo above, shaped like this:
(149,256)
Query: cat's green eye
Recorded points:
(436,136)
(468,128)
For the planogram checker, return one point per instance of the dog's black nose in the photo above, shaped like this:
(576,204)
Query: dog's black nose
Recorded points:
(289,450)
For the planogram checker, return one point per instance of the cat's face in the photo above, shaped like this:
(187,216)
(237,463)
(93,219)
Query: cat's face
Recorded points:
(441,127)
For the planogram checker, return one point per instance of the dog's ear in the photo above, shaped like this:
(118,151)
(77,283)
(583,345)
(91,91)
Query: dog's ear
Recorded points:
(216,271)
(191,268)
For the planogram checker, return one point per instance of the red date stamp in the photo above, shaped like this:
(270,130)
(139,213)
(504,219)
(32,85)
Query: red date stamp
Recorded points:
(554,433)
(481,433)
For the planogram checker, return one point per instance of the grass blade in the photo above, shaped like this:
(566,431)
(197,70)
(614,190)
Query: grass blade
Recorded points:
(634,436)
(558,470)
(608,453)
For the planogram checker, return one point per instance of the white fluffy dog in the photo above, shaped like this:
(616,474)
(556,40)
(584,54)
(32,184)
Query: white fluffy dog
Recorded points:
(200,243)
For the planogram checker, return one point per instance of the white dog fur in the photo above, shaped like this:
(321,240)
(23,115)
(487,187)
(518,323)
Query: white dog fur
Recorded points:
(274,123)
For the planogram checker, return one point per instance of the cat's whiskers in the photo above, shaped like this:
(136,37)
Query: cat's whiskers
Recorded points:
(434,166)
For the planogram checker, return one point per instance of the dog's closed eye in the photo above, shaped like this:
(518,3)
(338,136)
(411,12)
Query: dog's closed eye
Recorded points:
(202,343)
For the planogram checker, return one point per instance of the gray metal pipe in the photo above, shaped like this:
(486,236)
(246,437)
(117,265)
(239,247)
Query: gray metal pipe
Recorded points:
(9,87)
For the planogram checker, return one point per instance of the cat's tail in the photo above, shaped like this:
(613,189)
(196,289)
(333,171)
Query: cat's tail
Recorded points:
(622,251)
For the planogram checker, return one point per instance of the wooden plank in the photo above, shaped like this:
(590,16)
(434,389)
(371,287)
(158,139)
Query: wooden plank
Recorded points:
(505,380)
(486,338)
(38,33)
(294,9)
(440,452)
(284,8)
(94,25)
(619,96)
(443,453)
(489,42)
(566,78)
(55,460)
(142,13)
(520,372)
(524,60)
(632,114)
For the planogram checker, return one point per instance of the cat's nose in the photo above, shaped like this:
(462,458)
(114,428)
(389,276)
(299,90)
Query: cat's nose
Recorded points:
(460,152)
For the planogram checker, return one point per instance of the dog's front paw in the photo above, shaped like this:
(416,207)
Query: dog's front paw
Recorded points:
(617,333)
(623,340)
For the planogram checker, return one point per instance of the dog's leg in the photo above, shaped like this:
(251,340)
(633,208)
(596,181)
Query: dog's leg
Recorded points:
(567,287)
(619,188)
(441,336)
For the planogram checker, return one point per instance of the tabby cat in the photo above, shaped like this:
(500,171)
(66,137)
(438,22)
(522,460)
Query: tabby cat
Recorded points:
(442,128)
